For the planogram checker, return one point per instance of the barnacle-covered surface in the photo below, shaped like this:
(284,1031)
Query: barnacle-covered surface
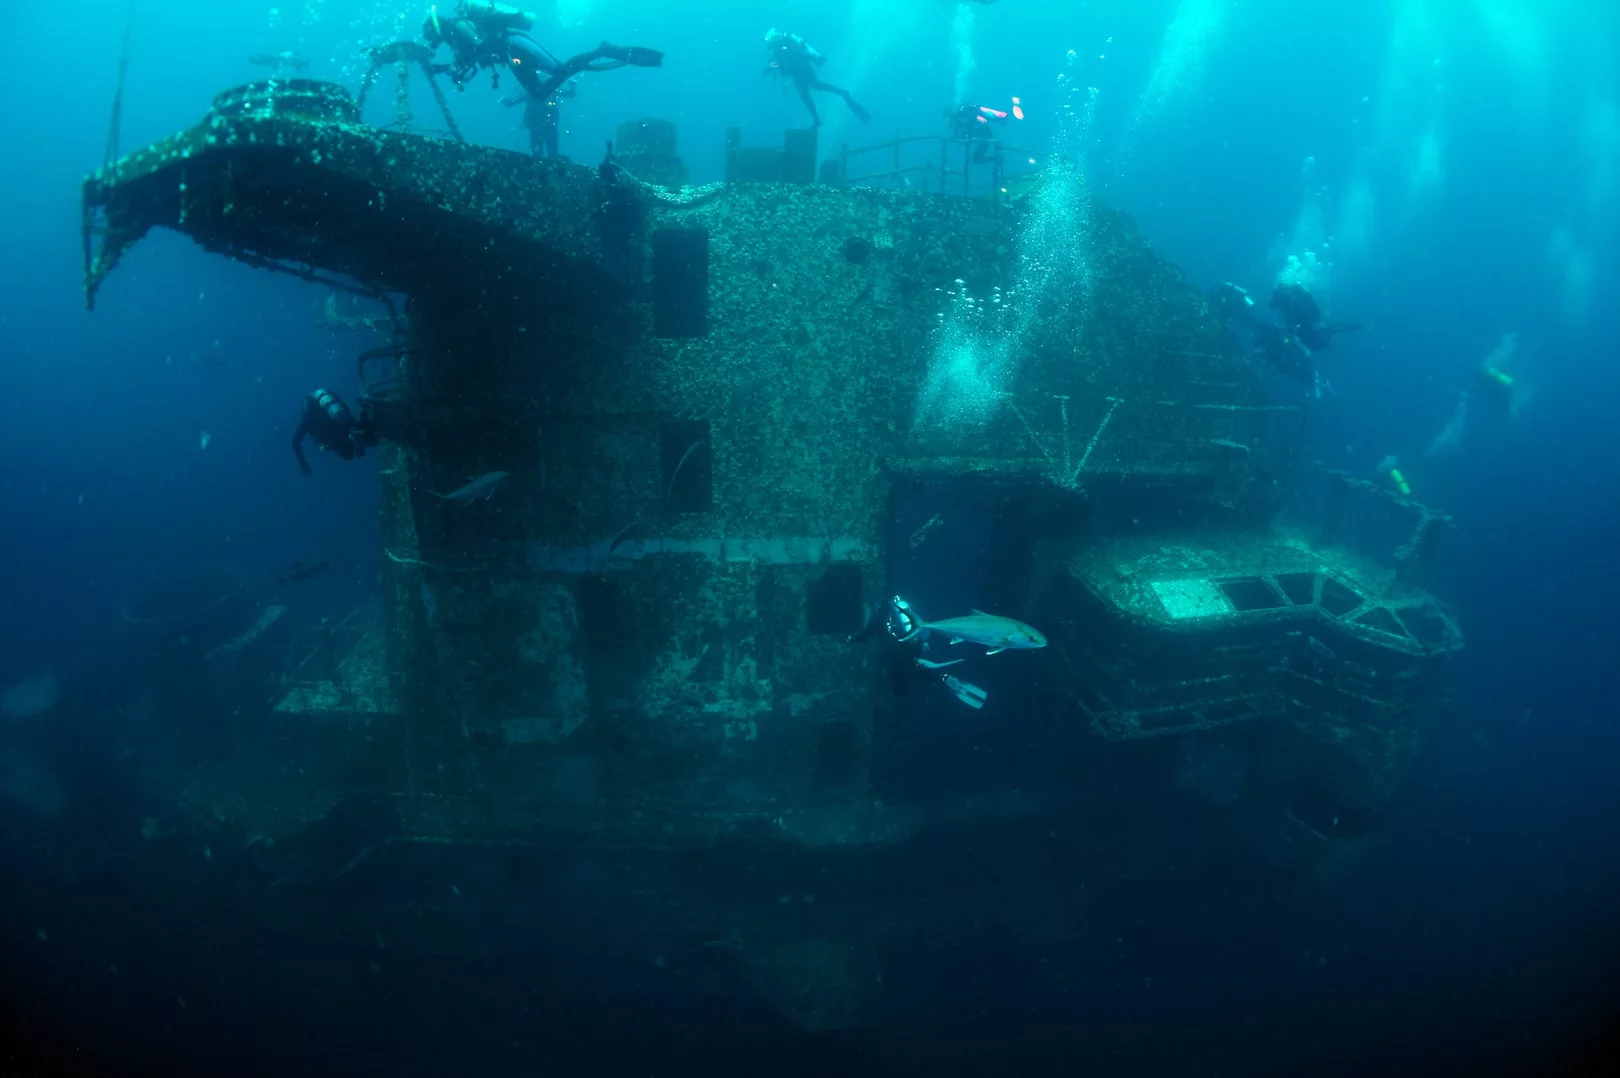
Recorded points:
(285,171)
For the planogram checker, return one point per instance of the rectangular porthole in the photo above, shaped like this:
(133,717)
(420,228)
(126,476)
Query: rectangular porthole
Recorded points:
(838,755)
(687,454)
(833,605)
(680,282)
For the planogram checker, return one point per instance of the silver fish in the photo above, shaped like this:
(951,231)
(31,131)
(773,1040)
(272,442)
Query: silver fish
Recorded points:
(995,633)
(938,666)
(475,489)
(967,692)
(279,60)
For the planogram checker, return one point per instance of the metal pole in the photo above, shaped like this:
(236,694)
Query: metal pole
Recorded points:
(444,106)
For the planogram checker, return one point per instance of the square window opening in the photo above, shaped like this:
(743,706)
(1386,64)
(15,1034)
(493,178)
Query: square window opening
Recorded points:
(1426,626)
(1299,587)
(1251,593)
(1381,620)
(1338,600)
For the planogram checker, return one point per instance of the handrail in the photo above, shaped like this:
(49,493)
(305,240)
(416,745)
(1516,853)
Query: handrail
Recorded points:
(990,152)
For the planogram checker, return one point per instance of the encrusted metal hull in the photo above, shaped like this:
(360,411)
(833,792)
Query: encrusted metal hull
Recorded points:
(600,698)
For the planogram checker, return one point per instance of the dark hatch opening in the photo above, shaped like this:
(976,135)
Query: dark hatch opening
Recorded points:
(1427,626)
(1382,620)
(837,755)
(1251,593)
(1299,587)
(1338,600)
(680,282)
(833,605)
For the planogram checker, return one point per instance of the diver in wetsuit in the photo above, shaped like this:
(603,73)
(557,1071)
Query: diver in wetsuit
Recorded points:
(1282,350)
(542,119)
(791,57)
(895,623)
(1232,301)
(1270,343)
(975,124)
(327,421)
(1301,316)
(482,34)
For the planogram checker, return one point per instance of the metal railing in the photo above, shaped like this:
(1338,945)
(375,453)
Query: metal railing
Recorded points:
(991,156)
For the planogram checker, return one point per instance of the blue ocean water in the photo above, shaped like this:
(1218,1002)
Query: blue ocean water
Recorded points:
(1444,172)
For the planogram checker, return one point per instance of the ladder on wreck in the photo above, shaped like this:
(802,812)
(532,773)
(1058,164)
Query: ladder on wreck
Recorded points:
(402,54)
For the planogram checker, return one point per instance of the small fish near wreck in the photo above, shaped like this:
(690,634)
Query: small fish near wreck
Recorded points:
(302,570)
(479,488)
(995,633)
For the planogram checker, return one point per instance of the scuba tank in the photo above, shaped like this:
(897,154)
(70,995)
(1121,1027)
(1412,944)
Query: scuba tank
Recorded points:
(332,405)
(1499,382)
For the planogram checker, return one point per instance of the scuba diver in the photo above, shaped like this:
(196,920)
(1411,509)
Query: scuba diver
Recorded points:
(328,422)
(975,124)
(483,34)
(542,119)
(1282,350)
(895,620)
(1277,344)
(1232,301)
(791,57)
(1300,315)
(1498,385)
